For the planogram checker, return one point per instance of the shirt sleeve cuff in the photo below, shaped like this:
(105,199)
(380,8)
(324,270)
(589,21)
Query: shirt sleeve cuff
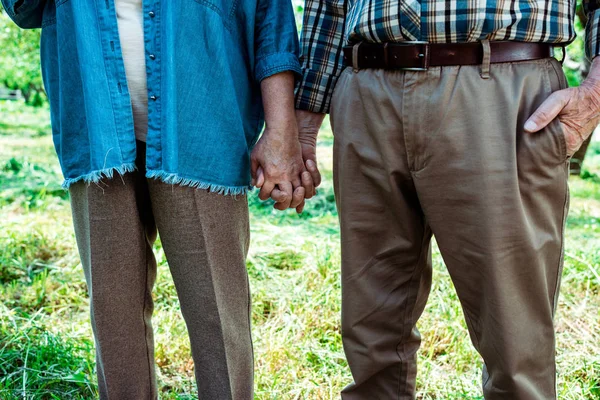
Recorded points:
(275,63)
(315,90)
(28,14)
(592,32)
(9,7)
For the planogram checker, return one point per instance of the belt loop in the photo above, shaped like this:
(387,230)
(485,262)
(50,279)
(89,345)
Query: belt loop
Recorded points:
(355,56)
(487,57)
(426,55)
(386,55)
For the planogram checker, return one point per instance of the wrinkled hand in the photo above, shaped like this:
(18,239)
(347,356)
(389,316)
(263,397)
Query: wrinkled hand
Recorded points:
(308,124)
(577,109)
(308,130)
(276,167)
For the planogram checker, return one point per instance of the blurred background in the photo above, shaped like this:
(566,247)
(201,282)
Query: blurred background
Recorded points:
(46,348)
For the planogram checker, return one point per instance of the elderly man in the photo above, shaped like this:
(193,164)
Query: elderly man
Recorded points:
(193,82)
(451,118)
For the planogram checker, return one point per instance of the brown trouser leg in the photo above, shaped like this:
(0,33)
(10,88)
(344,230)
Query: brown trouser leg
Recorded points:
(205,238)
(444,152)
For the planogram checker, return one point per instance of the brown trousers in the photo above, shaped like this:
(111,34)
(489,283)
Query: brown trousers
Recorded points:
(443,152)
(205,238)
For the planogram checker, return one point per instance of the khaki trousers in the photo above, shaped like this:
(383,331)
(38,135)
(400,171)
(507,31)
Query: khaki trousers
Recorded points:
(443,152)
(205,238)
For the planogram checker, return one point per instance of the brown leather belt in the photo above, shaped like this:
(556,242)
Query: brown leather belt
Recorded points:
(420,56)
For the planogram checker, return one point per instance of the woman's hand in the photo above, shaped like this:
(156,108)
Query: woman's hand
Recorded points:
(277,157)
(277,166)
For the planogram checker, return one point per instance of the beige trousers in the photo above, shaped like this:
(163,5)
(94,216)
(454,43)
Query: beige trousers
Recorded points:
(443,152)
(205,238)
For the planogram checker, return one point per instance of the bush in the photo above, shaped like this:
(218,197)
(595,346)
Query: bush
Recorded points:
(20,60)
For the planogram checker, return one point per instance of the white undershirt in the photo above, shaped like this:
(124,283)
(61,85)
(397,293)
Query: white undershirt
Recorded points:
(131,33)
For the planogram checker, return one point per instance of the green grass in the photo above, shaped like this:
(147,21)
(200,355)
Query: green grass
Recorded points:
(46,347)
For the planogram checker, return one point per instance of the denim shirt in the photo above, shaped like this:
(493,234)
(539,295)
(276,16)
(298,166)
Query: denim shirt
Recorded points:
(204,62)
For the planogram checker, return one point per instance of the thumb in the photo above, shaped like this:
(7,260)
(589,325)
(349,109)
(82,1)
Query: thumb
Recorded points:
(260,177)
(254,166)
(312,167)
(546,112)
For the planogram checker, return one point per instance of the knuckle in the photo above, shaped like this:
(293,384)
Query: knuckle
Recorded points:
(541,115)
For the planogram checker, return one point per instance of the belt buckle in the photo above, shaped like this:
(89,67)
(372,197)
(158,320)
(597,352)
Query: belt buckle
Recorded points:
(424,55)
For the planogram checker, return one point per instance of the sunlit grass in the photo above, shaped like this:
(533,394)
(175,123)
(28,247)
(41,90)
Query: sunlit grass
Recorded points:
(46,347)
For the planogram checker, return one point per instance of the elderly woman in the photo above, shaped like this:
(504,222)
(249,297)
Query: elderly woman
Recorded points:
(155,108)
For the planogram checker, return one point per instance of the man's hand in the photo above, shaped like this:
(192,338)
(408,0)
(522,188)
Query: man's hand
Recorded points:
(308,130)
(577,109)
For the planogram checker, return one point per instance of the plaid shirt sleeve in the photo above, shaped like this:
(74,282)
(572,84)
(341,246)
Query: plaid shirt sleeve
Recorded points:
(592,30)
(321,53)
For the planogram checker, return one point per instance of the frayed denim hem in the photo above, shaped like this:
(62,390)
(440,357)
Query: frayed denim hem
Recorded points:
(96,176)
(174,179)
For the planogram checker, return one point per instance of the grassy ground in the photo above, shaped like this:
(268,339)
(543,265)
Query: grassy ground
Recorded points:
(46,350)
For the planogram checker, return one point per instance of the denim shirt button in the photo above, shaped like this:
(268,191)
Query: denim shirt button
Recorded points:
(151,14)
(153,98)
(152,56)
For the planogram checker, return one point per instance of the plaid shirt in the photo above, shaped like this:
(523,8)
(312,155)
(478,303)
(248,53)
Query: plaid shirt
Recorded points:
(329,24)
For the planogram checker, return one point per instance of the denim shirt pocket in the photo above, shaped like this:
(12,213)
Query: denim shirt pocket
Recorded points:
(225,8)
(49,17)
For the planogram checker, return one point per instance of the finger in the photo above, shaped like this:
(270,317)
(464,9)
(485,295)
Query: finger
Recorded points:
(279,196)
(300,208)
(297,197)
(286,187)
(254,165)
(279,206)
(260,177)
(307,184)
(311,166)
(546,112)
(265,190)
(296,182)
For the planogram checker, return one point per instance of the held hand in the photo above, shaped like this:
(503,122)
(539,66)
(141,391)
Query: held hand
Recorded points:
(278,154)
(308,130)
(577,109)
(276,167)
(278,196)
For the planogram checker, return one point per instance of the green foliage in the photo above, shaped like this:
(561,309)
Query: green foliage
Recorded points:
(37,364)
(25,255)
(19,60)
(576,58)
